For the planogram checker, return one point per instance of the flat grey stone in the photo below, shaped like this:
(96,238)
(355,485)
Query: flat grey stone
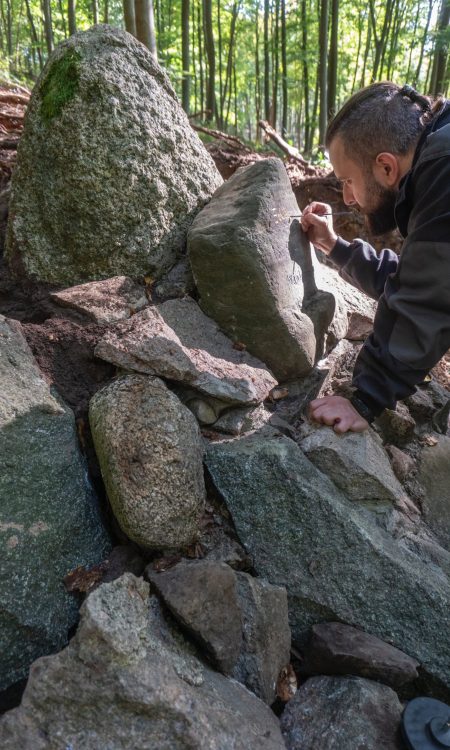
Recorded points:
(342,713)
(177,341)
(355,462)
(337,559)
(254,270)
(240,421)
(338,649)
(149,449)
(129,680)
(49,517)
(104,301)
(109,172)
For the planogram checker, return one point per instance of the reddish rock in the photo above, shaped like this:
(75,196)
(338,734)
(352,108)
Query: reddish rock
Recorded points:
(338,649)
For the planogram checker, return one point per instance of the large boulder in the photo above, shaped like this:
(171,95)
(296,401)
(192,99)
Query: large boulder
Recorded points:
(49,519)
(109,172)
(129,680)
(254,270)
(150,453)
(337,559)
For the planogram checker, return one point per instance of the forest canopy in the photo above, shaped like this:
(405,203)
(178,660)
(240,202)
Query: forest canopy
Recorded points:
(234,62)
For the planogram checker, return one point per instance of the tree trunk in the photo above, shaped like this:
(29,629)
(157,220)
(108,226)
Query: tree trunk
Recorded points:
(145,24)
(95,11)
(257,71)
(106,12)
(422,46)
(186,82)
(305,74)
(129,16)
(323,44)
(48,25)
(284,72)
(275,65)
(333,60)
(266,61)
(211,58)
(229,71)
(219,49)
(34,35)
(200,60)
(72,17)
(439,80)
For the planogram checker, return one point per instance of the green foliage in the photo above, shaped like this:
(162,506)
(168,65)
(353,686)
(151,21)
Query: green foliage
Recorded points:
(60,85)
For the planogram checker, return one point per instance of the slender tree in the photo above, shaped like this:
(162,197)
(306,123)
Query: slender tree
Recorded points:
(323,42)
(185,55)
(145,24)
(211,60)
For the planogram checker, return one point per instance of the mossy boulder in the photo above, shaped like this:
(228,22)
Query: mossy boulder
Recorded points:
(110,174)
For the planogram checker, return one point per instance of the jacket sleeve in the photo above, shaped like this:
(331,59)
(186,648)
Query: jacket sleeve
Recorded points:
(360,265)
(412,324)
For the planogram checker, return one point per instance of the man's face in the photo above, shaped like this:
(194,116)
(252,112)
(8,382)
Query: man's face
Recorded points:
(361,189)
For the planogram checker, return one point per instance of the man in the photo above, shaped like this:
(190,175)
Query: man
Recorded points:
(390,149)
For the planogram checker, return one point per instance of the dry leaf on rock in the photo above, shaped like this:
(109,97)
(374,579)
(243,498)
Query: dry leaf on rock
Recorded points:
(286,683)
(84,579)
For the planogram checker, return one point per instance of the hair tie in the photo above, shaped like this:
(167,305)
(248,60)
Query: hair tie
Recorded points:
(415,97)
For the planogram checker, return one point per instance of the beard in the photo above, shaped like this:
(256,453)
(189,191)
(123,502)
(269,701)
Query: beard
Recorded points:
(380,213)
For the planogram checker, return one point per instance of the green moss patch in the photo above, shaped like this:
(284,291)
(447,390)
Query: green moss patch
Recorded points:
(60,86)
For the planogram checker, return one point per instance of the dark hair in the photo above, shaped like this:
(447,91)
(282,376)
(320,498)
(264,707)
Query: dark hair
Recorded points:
(382,117)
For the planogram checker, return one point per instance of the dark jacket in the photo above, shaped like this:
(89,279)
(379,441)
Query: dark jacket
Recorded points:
(412,324)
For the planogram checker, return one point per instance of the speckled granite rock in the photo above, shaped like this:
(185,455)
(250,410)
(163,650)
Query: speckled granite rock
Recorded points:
(109,172)
(104,301)
(149,448)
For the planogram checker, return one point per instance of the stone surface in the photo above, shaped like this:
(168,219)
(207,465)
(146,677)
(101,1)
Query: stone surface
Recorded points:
(337,559)
(175,340)
(355,462)
(104,301)
(359,326)
(178,282)
(240,621)
(266,635)
(340,713)
(434,476)
(49,518)
(129,680)
(338,649)
(254,270)
(403,465)
(138,172)
(239,421)
(396,426)
(149,449)
(203,597)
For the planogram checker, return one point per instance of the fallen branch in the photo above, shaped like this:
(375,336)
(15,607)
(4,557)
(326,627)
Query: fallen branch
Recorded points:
(232,140)
(290,151)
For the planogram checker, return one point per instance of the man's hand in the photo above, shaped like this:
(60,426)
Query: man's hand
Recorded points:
(317,222)
(337,412)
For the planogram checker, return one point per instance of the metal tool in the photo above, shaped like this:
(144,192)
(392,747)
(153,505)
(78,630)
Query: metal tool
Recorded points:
(334,213)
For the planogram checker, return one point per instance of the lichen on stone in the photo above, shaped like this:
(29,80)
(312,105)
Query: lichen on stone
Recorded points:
(60,86)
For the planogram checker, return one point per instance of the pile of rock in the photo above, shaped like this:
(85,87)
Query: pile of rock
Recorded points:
(253,525)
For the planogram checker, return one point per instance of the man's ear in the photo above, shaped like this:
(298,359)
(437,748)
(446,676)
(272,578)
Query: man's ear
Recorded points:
(387,170)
